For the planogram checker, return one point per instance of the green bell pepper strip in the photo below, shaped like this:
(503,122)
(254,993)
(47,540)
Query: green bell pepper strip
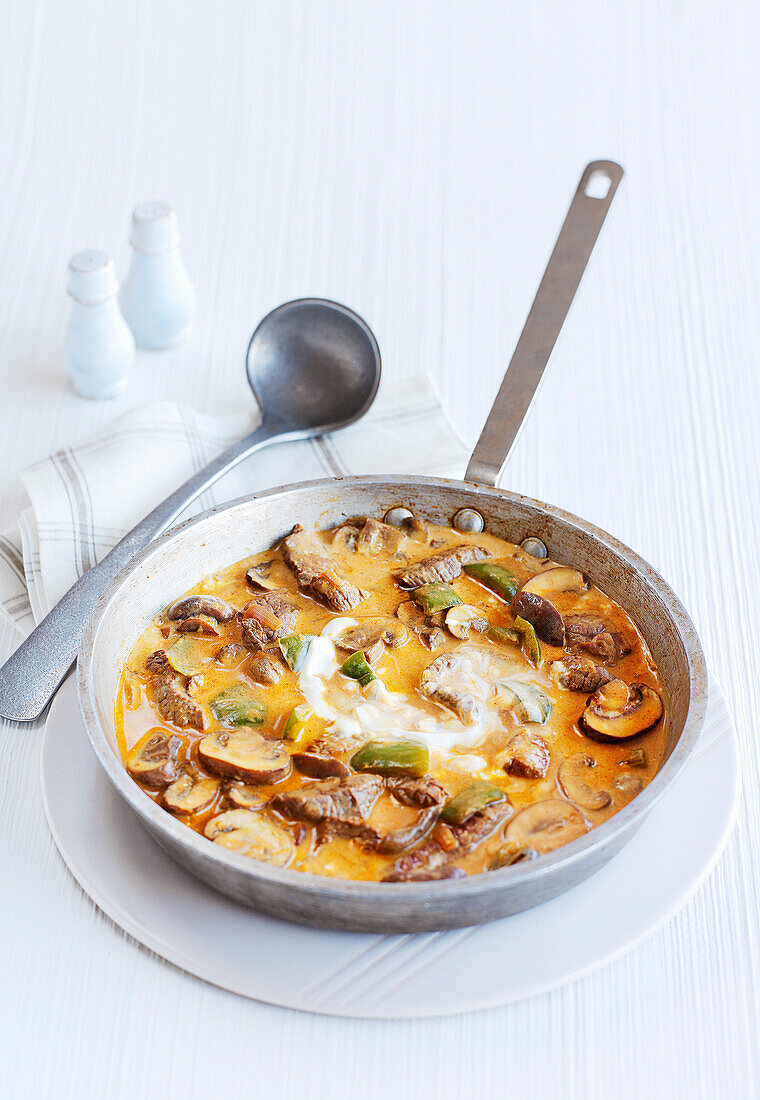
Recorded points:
(357,668)
(434,598)
(493,576)
(470,800)
(238,706)
(531,644)
(392,758)
(294,649)
(295,726)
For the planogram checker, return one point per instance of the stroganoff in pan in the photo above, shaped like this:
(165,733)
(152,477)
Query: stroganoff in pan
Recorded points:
(392,704)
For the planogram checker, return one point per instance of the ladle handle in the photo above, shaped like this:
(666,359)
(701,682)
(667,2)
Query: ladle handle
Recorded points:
(32,674)
(554,297)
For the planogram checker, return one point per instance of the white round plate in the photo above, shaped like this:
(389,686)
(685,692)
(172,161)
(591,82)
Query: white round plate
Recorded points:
(350,974)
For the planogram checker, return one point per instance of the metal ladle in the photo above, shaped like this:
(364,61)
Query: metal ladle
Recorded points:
(313,366)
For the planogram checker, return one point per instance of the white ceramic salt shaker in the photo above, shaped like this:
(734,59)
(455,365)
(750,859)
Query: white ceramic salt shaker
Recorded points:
(99,345)
(157,298)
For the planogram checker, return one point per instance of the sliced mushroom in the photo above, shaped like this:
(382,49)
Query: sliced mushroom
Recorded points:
(244,754)
(546,825)
(252,835)
(198,624)
(259,579)
(232,655)
(616,711)
(379,538)
(346,535)
(432,637)
(573,778)
(153,760)
(560,578)
(412,616)
(319,767)
(246,796)
(368,632)
(264,670)
(190,792)
(543,616)
(510,854)
(416,529)
(212,606)
(628,786)
(464,618)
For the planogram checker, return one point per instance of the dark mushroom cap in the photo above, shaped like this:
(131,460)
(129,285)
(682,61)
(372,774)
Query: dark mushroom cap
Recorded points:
(542,615)
(617,712)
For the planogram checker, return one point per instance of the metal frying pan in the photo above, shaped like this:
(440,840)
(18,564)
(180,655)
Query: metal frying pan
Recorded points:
(226,534)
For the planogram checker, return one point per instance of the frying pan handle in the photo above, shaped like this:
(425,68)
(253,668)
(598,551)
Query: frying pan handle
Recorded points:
(554,296)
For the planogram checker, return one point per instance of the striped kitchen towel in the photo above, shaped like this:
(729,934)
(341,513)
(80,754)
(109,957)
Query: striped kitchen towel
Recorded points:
(84,498)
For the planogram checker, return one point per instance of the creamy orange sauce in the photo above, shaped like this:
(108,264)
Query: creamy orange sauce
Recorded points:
(400,671)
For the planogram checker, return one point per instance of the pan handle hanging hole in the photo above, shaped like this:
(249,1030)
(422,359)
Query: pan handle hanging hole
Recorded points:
(598,184)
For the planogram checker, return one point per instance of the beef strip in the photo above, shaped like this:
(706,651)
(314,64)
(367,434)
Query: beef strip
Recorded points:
(259,634)
(337,806)
(435,684)
(422,793)
(431,861)
(315,571)
(582,628)
(202,604)
(317,766)
(265,670)
(170,693)
(400,839)
(441,567)
(526,756)
(608,647)
(579,673)
(586,634)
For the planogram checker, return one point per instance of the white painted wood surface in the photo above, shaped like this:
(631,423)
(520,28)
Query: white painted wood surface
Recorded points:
(415,161)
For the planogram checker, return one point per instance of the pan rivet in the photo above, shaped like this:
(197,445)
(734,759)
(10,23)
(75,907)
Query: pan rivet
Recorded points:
(469,521)
(397,516)
(535,547)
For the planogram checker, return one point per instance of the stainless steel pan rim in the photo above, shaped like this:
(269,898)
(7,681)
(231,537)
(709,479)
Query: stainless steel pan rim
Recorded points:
(591,850)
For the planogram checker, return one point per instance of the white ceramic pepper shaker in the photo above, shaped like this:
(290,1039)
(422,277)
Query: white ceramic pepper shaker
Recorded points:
(157,298)
(99,345)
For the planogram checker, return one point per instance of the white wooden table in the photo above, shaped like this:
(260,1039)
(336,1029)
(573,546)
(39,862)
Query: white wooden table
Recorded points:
(415,161)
